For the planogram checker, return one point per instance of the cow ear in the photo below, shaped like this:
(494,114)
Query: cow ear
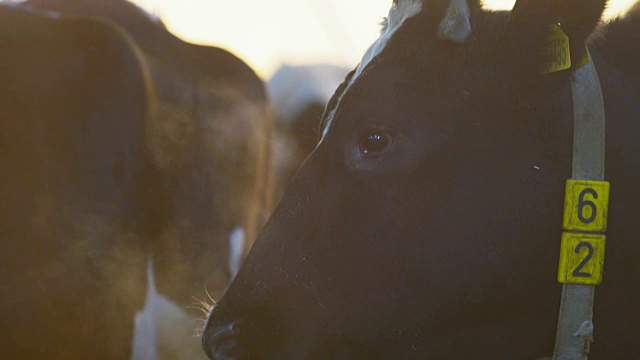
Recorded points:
(537,23)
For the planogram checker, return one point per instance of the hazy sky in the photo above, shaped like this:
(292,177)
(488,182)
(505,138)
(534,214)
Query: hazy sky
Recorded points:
(266,33)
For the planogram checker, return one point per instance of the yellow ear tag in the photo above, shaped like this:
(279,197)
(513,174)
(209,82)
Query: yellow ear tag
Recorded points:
(558,55)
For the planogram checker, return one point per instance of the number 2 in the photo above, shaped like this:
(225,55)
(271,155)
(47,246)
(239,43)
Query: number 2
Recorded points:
(581,258)
(577,272)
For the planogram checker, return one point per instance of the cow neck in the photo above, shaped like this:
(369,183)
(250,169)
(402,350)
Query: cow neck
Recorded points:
(574,332)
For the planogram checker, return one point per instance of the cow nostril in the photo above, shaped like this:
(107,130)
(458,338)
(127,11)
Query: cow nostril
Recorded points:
(221,342)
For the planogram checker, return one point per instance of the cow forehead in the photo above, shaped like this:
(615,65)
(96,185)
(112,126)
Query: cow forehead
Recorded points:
(400,11)
(398,14)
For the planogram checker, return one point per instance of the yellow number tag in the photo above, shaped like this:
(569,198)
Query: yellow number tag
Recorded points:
(581,259)
(558,51)
(586,205)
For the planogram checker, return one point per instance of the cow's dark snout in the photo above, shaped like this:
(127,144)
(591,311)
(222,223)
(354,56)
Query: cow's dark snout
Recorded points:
(221,341)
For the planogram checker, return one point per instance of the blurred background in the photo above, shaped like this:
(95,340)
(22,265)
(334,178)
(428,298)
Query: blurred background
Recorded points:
(268,33)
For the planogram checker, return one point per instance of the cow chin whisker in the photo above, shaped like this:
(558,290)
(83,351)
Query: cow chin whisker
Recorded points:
(206,306)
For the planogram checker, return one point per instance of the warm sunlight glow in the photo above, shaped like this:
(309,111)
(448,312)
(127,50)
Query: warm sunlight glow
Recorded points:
(269,33)
(616,7)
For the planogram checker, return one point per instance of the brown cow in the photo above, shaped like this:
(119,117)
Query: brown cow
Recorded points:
(125,144)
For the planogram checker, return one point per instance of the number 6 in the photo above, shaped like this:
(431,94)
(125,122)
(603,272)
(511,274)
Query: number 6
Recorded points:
(582,203)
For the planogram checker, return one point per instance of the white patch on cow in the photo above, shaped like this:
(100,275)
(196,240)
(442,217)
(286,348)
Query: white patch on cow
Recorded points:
(43,12)
(400,11)
(144,334)
(162,330)
(236,250)
(455,26)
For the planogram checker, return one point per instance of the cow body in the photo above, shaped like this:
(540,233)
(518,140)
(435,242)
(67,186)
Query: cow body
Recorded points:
(209,142)
(73,103)
(426,224)
(125,145)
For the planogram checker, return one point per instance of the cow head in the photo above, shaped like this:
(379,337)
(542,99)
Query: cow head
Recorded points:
(425,223)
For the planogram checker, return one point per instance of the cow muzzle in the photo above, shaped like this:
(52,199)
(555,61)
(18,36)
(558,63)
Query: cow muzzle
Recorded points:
(221,342)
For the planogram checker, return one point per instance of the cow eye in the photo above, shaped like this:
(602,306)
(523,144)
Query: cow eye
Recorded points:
(375,142)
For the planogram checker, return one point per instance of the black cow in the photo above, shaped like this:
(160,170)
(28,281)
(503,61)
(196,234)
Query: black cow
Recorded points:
(427,222)
(120,144)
